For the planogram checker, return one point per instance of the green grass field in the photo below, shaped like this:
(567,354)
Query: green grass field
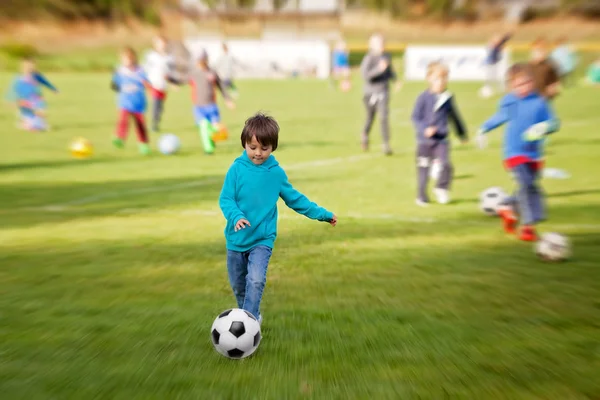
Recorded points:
(112,269)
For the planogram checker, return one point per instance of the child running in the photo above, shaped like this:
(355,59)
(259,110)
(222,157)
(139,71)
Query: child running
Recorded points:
(204,82)
(27,94)
(248,200)
(434,107)
(159,65)
(529,119)
(131,81)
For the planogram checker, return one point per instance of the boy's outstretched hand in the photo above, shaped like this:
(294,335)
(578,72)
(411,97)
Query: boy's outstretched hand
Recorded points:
(241,224)
(333,221)
(230,104)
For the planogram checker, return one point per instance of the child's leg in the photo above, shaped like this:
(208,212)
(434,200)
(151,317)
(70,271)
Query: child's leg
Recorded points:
(537,199)
(383,106)
(157,110)
(237,269)
(424,151)
(441,152)
(140,126)
(526,194)
(206,131)
(371,107)
(258,261)
(123,125)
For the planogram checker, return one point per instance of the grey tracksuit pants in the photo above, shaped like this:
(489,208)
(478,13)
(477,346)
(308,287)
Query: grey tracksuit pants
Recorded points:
(377,102)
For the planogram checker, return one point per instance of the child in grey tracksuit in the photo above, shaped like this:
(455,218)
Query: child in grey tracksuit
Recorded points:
(377,72)
(430,116)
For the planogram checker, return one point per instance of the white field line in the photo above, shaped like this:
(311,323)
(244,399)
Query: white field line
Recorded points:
(186,185)
(342,217)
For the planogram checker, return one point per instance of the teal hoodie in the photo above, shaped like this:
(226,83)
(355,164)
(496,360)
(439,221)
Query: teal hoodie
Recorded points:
(251,191)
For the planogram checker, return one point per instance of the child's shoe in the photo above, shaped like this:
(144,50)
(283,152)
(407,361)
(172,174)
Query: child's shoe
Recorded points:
(118,143)
(442,195)
(144,149)
(528,234)
(509,219)
(421,203)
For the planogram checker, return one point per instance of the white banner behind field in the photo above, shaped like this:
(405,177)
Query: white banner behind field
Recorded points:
(269,58)
(466,63)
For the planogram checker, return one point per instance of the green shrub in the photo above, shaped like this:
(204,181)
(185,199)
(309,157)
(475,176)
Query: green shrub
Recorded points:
(18,50)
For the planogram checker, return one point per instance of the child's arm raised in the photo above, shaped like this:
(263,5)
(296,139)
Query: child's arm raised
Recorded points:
(498,119)
(302,205)
(549,124)
(41,79)
(227,202)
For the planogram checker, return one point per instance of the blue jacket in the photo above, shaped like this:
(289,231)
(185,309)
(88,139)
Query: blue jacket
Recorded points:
(433,109)
(520,114)
(131,87)
(29,87)
(251,192)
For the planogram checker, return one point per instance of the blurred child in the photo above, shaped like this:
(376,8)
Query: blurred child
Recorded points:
(377,72)
(545,73)
(158,65)
(341,66)
(565,59)
(253,184)
(131,81)
(27,94)
(205,82)
(530,119)
(494,55)
(433,108)
(225,67)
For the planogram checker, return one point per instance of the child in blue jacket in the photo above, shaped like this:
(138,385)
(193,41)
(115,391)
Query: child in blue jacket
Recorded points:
(131,81)
(27,94)
(529,119)
(248,200)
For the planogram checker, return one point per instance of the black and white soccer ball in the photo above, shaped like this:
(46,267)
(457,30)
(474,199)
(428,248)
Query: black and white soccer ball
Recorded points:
(490,199)
(235,333)
(553,246)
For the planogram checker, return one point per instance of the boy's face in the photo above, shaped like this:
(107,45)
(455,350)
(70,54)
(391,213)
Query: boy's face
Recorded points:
(127,60)
(160,45)
(257,152)
(522,85)
(438,81)
(28,67)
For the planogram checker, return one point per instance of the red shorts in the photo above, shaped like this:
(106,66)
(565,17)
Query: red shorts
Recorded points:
(158,94)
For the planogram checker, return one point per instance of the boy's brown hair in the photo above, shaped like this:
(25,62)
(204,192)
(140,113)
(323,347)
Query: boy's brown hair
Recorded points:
(517,70)
(130,53)
(264,127)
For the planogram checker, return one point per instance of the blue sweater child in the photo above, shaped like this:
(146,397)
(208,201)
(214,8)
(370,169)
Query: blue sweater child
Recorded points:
(529,119)
(248,200)
(27,94)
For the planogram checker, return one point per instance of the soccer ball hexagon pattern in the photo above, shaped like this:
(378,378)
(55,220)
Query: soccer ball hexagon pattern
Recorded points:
(235,333)
(490,199)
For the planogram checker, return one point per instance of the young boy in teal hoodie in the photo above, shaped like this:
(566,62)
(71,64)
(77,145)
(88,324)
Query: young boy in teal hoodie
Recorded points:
(248,200)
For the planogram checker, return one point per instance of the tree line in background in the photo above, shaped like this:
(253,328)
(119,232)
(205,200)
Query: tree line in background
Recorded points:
(149,10)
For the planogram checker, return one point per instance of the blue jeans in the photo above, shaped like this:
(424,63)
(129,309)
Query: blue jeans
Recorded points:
(248,276)
(529,198)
